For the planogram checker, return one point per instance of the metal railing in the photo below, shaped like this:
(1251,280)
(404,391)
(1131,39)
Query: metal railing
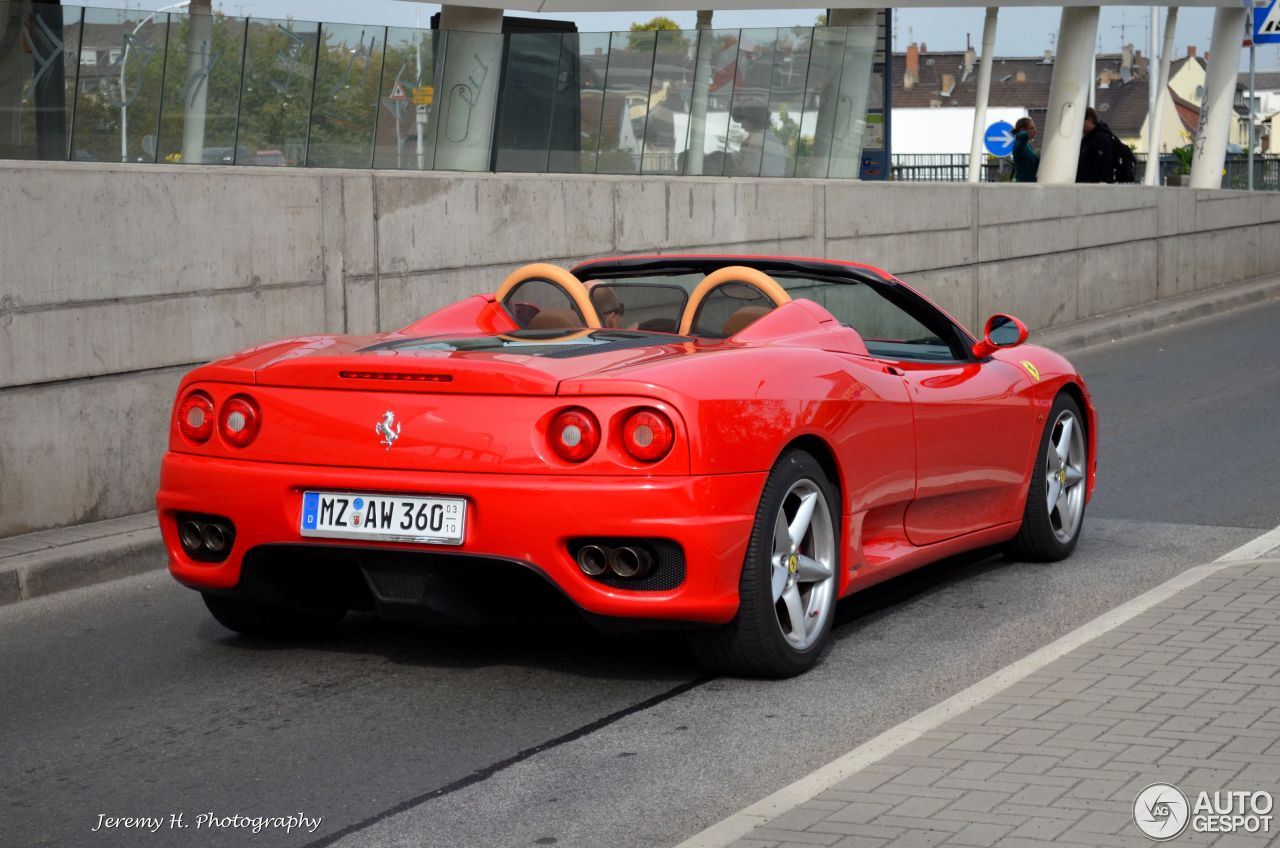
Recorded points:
(954,168)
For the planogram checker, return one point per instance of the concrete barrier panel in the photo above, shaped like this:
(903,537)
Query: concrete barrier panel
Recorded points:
(672,215)
(104,233)
(1042,290)
(870,209)
(88,341)
(1223,256)
(955,290)
(905,253)
(1117,276)
(432,222)
(82,451)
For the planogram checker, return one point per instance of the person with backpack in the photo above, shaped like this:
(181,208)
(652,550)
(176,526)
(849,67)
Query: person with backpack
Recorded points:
(1104,158)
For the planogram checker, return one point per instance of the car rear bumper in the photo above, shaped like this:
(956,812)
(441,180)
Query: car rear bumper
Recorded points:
(515,518)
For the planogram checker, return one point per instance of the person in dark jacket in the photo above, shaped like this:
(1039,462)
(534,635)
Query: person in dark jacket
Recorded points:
(1097,155)
(1025,159)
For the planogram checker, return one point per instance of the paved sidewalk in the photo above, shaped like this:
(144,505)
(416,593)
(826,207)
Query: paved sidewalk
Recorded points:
(1186,693)
(49,561)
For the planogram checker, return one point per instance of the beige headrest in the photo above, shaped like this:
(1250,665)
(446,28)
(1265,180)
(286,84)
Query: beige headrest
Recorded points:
(743,318)
(555,319)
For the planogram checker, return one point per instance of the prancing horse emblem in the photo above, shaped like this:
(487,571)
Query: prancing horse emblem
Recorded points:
(388,429)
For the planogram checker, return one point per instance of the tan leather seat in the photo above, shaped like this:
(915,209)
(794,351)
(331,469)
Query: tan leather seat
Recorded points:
(743,318)
(555,319)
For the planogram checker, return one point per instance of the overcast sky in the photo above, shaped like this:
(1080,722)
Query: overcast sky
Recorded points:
(1023,31)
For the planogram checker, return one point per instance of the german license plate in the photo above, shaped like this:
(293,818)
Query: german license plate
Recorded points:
(391,518)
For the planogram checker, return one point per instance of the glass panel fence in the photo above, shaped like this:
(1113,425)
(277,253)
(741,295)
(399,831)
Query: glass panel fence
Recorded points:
(345,105)
(406,101)
(39,60)
(275,98)
(203,67)
(577,114)
(135,86)
(119,85)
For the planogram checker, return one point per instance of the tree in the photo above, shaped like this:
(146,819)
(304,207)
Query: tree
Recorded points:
(640,40)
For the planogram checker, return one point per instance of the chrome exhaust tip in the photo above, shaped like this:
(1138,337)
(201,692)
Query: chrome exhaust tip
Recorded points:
(190,535)
(215,538)
(593,560)
(631,562)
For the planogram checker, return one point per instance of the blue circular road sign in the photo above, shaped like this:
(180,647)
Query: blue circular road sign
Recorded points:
(999,138)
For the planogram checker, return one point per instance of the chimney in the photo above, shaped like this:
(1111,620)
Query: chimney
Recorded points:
(924,48)
(970,57)
(1126,56)
(1191,51)
(1048,58)
(911,75)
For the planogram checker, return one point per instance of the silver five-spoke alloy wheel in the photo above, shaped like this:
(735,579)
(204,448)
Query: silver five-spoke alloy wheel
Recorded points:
(802,575)
(1064,464)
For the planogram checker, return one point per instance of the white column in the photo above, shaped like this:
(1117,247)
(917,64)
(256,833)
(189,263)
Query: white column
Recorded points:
(467,100)
(855,81)
(1155,120)
(1068,95)
(199,54)
(696,150)
(1218,110)
(984,93)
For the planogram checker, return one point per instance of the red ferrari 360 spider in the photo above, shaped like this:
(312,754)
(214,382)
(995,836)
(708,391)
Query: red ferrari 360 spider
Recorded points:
(727,444)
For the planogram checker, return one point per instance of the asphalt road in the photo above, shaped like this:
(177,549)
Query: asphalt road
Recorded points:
(127,700)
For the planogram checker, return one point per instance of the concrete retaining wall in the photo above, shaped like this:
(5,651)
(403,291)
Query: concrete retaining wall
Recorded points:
(116,279)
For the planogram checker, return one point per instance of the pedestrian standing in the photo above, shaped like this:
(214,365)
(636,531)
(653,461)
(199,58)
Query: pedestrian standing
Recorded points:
(1026,161)
(1097,151)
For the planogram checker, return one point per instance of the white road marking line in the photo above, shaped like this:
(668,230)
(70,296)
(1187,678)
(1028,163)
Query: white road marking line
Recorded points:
(741,823)
(1254,549)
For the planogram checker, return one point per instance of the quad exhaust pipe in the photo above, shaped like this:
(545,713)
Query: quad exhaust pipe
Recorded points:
(630,562)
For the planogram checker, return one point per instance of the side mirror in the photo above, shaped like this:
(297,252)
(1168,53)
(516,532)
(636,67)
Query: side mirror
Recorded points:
(1001,331)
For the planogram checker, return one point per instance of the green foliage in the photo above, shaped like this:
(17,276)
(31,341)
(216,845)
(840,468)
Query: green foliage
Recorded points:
(1182,157)
(641,40)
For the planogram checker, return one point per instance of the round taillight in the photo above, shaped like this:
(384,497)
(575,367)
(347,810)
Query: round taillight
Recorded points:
(195,417)
(647,435)
(574,435)
(239,421)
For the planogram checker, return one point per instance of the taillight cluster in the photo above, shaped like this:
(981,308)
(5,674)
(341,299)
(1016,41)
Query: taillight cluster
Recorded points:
(238,421)
(647,435)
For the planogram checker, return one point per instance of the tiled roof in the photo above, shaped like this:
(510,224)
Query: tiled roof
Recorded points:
(1123,107)
(1263,80)
(1014,82)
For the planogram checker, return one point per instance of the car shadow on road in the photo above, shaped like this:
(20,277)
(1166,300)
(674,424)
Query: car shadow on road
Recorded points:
(573,646)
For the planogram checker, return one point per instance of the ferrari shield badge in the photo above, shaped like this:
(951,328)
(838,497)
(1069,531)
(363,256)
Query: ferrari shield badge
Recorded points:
(1031,369)
(388,428)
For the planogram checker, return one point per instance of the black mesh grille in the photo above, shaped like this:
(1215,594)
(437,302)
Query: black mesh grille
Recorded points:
(398,584)
(668,564)
(572,351)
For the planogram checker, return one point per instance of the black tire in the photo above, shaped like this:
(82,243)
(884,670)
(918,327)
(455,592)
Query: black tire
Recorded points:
(269,622)
(753,644)
(1038,539)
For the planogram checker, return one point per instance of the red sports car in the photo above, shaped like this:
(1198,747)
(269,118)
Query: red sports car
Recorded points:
(727,444)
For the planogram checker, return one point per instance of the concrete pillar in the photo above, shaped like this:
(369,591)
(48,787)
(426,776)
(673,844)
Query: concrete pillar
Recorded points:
(1155,120)
(196,88)
(467,100)
(984,92)
(696,150)
(1218,110)
(850,105)
(1068,95)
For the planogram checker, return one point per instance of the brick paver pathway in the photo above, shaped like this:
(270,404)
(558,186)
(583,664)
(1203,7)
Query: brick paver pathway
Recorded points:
(1186,693)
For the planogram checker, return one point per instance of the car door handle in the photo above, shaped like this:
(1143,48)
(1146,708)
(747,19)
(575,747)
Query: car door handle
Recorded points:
(890,369)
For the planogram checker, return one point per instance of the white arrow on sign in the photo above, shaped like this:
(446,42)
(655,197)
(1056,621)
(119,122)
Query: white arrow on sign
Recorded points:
(1005,137)
(1266,30)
